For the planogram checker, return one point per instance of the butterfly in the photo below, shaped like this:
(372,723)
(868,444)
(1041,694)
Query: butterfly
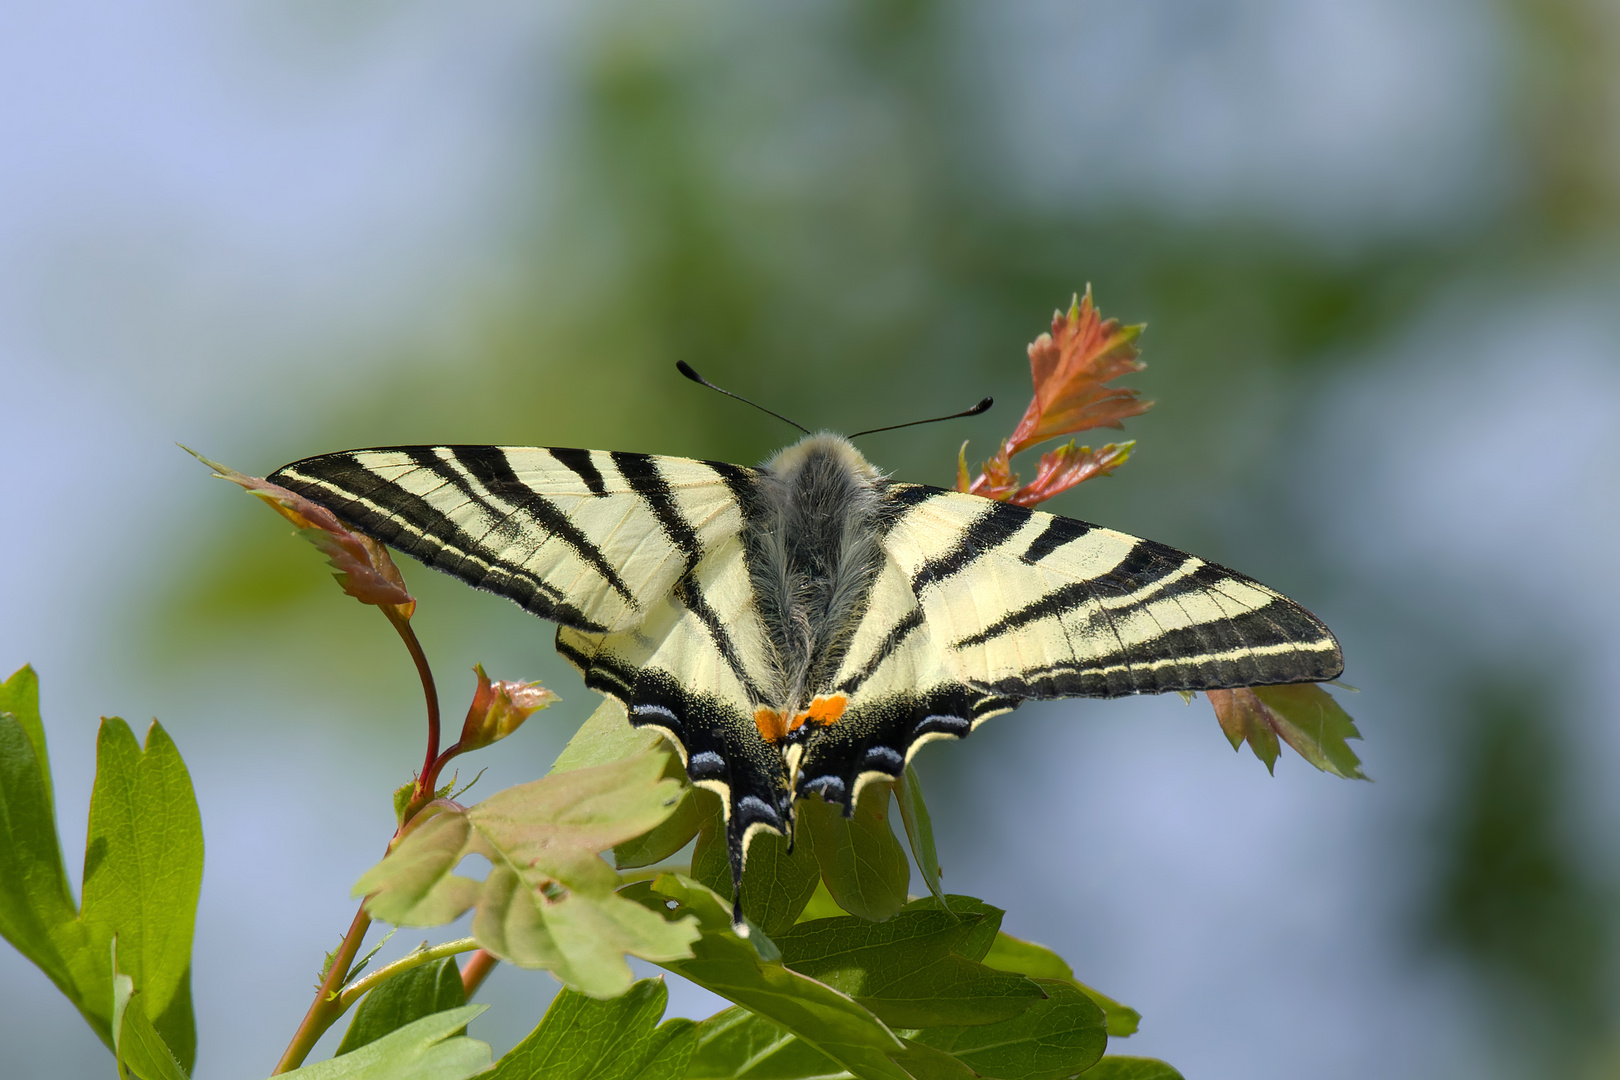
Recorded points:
(802,628)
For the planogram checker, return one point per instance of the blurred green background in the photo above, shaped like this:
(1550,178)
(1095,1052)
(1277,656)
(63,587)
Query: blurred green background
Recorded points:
(1375,245)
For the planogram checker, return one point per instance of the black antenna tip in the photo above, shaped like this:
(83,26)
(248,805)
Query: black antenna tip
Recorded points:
(982,406)
(686,369)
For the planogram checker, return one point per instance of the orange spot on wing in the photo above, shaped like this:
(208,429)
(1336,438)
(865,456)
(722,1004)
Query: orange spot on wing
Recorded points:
(773,726)
(823,712)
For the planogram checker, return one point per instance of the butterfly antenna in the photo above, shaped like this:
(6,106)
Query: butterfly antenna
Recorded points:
(686,369)
(982,406)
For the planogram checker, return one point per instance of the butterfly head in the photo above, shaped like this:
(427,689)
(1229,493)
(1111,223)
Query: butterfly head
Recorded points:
(820,452)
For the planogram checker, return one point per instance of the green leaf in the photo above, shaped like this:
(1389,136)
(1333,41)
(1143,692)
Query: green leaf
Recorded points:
(739,1045)
(909,971)
(606,735)
(19,696)
(919,831)
(142,871)
(1037,961)
(671,834)
(1302,714)
(402,999)
(136,1043)
(864,866)
(427,1049)
(1118,1067)
(730,966)
(775,885)
(581,1038)
(548,900)
(141,883)
(37,912)
(821,904)
(1051,1040)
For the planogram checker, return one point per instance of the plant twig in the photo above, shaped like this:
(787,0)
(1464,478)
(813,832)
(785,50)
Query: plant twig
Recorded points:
(360,987)
(430,692)
(324,1009)
(329,1004)
(476,970)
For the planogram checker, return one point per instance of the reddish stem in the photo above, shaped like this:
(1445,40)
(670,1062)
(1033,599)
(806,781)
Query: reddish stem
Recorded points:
(325,1008)
(321,1014)
(476,970)
(424,782)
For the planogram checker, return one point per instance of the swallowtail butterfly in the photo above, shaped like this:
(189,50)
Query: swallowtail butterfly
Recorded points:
(801,628)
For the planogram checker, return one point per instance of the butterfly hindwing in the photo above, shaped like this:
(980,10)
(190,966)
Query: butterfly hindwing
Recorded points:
(638,558)
(900,695)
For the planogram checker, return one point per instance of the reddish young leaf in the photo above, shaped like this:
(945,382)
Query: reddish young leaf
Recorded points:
(363,567)
(1067,466)
(499,708)
(1070,367)
(1301,714)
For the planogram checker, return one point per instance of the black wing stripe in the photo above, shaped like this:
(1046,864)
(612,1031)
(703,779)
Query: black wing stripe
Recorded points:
(901,498)
(1146,573)
(1058,531)
(887,648)
(1248,650)
(687,591)
(580,464)
(488,465)
(994,527)
(641,472)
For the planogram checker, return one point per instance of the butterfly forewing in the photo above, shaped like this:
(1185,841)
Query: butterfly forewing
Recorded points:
(1031,605)
(576,536)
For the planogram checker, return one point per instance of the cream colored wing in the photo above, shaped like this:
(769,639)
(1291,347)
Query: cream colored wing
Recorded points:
(587,538)
(1030,605)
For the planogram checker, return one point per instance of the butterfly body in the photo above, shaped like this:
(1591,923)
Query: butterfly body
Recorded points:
(801,628)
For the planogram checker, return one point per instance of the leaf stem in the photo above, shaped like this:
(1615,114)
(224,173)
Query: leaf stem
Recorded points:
(324,1010)
(477,969)
(361,986)
(424,782)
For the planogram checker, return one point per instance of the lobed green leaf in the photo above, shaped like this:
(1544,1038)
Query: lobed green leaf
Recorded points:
(1037,961)
(910,971)
(740,1045)
(403,999)
(37,913)
(864,866)
(427,1049)
(732,967)
(548,900)
(143,866)
(1051,1040)
(776,885)
(581,1038)
(697,806)
(19,696)
(606,735)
